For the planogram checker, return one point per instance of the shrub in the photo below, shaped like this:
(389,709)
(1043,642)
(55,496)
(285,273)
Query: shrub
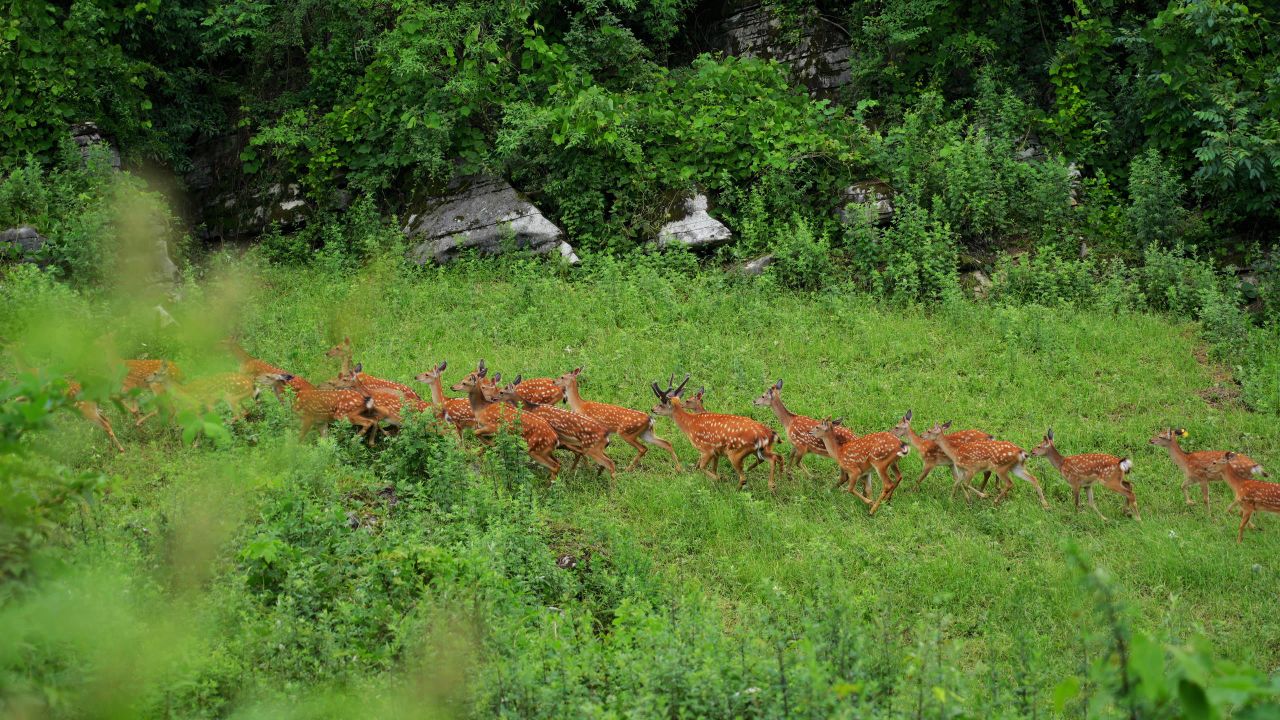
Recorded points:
(801,260)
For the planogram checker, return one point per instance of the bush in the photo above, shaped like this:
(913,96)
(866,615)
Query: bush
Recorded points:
(801,260)
(914,259)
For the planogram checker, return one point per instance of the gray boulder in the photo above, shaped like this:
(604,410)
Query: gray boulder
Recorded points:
(756,266)
(696,228)
(874,195)
(86,135)
(819,58)
(483,213)
(22,243)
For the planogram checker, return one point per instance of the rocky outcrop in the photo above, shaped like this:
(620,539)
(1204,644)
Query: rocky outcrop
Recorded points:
(819,59)
(86,136)
(756,266)
(695,228)
(874,196)
(21,243)
(484,214)
(227,204)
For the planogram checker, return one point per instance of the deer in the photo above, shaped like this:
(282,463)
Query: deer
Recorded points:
(580,434)
(798,430)
(1000,457)
(714,434)
(1252,495)
(1195,466)
(1089,469)
(388,403)
(251,365)
(633,426)
(137,373)
(930,454)
(539,439)
(861,457)
(203,393)
(321,407)
(343,350)
(455,411)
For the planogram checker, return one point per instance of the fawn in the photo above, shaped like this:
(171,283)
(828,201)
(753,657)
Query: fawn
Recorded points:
(861,457)
(798,430)
(1252,495)
(1085,471)
(343,350)
(1195,466)
(137,376)
(203,393)
(251,365)
(580,434)
(91,412)
(632,426)
(930,454)
(321,407)
(1000,457)
(714,434)
(540,440)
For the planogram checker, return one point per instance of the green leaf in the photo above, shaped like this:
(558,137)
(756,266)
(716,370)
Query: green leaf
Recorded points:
(1195,704)
(1064,692)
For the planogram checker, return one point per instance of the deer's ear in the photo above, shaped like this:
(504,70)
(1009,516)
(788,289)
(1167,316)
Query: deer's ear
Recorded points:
(946,425)
(838,421)
(778,384)
(577,371)
(443,364)
(908,415)
(1049,435)
(517,380)
(359,368)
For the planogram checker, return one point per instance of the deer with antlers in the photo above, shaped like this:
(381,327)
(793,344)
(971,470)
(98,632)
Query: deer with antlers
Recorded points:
(540,440)
(1089,469)
(798,429)
(930,454)
(714,434)
(1000,457)
(1252,495)
(1195,465)
(581,434)
(634,427)
(862,457)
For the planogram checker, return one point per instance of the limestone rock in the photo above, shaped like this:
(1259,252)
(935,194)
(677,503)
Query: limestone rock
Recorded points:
(696,228)
(22,243)
(86,135)
(756,266)
(483,213)
(819,60)
(875,195)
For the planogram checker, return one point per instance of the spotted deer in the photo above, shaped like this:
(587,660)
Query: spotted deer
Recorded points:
(714,434)
(930,454)
(582,435)
(798,429)
(539,439)
(251,365)
(455,411)
(204,393)
(1195,466)
(1089,469)
(539,391)
(1252,495)
(1000,457)
(634,427)
(137,375)
(862,457)
(321,407)
(343,350)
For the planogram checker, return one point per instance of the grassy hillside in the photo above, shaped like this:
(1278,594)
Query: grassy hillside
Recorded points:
(254,550)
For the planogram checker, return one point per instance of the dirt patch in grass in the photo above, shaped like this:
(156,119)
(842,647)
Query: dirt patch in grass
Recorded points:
(1224,394)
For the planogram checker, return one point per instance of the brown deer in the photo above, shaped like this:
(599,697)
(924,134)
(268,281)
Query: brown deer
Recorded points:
(204,393)
(539,391)
(1195,466)
(930,454)
(321,407)
(455,411)
(388,403)
(1252,495)
(137,375)
(861,457)
(343,350)
(251,365)
(580,434)
(714,434)
(1000,457)
(798,429)
(540,440)
(1085,471)
(632,426)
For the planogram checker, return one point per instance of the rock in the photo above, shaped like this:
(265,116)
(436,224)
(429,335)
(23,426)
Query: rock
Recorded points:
(874,195)
(697,229)
(22,243)
(757,266)
(165,270)
(819,59)
(483,213)
(981,283)
(230,205)
(86,135)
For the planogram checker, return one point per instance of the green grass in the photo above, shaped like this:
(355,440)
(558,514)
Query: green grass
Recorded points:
(997,578)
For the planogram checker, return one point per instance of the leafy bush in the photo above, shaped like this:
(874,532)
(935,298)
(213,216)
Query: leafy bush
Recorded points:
(801,261)
(914,259)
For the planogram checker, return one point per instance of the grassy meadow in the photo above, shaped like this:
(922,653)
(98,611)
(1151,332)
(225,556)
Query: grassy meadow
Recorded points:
(263,571)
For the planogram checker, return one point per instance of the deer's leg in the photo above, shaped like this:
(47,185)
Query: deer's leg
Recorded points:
(1021,471)
(1186,495)
(1246,512)
(1075,496)
(929,465)
(735,459)
(853,485)
(650,437)
(641,449)
(1204,487)
(704,457)
(1088,491)
(1006,485)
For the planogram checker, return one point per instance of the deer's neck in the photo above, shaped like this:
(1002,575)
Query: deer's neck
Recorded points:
(346,363)
(784,415)
(915,440)
(437,391)
(829,441)
(1178,456)
(1233,479)
(571,394)
(300,385)
(946,447)
(478,401)
(683,420)
(1054,457)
